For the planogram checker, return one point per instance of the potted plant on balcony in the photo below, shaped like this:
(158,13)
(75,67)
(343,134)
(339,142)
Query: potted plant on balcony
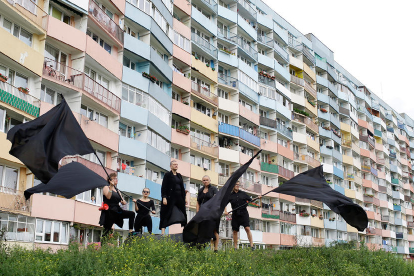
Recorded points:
(208,64)
(3,78)
(183,129)
(304,214)
(320,217)
(212,68)
(24,90)
(186,103)
(323,110)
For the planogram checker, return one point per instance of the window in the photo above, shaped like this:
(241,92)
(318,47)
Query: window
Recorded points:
(158,142)
(16,30)
(203,109)
(100,41)
(175,153)
(59,15)
(126,131)
(92,157)
(92,196)
(17,227)
(245,79)
(8,179)
(94,116)
(224,169)
(50,96)
(182,42)
(246,104)
(52,231)
(201,162)
(223,118)
(128,63)
(223,94)
(130,32)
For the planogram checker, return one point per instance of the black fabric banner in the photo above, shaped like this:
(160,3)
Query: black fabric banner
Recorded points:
(40,144)
(201,227)
(71,179)
(312,185)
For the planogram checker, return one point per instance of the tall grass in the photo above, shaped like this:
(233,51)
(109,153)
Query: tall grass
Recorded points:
(147,256)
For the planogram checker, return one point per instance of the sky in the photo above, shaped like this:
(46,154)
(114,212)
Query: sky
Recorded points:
(371,39)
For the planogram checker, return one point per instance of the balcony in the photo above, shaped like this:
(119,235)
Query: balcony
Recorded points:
(229,129)
(268,122)
(279,50)
(397,208)
(204,93)
(95,167)
(267,81)
(229,81)
(251,186)
(204,45)
(106,22)
(267,167)
(410,224)
(204,146)
(344,111)
(31,11)
(285,131)
(312,161)
(12,200)
(248,137)
(11,95)
(248,8)
(72,78)
(297,80)
(285,173)
(310,90)
(305,120)
(395,181)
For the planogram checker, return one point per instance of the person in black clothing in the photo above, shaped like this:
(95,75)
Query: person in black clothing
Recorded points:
(173,199)
(240,217)
(205,194)
(143,217)
(115,214)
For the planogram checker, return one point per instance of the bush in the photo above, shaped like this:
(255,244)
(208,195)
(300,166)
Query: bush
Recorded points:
(146,256)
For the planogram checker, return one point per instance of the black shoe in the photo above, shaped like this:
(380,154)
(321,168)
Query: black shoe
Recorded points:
(215,251)
(253,248)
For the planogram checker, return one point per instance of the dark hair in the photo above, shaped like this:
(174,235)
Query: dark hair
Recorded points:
(110,176)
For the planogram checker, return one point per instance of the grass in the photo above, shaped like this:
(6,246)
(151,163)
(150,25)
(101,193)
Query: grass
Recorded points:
(147,256)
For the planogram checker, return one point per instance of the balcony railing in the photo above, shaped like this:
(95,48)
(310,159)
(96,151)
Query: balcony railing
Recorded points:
(31,11)
(12,200)
(222,179)
(211,4)
(316,203)
(106,22)
(247,6)
(302,119)
(246,47)
(312,161)
(297,80)
(263,39)
(251,138)
(285,131)
(11,95)
(268,122)
(69,76)
(346,143)
(343,110)
(282,52)
(251,186)
(308,54)
(310,90)
(204,44)
(229,81)
(385,218)
(368,199)
(269,167)
(287,216)
(204,93)
(97,91)
(267,81)
(285,173)
(204,146)
(410,224)
(95,167)
(380,160)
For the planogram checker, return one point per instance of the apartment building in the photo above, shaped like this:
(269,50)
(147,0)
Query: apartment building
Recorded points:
(207,84)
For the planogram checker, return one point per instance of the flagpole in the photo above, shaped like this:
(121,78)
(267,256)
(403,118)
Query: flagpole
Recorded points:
(250,201)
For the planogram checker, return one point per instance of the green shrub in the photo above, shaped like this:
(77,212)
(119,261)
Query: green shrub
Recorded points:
(146,256)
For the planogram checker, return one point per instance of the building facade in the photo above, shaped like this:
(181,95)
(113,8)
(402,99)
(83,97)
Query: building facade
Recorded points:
(207,84)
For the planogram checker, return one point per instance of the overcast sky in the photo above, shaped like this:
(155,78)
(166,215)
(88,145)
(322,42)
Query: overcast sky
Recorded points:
(372,40)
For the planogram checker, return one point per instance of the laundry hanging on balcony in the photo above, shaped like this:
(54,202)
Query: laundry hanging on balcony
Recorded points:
(40,144)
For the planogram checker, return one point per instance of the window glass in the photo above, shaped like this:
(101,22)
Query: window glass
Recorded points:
(7,25)
(56,13)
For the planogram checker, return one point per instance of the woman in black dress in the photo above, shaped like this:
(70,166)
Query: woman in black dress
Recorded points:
(114,214)
(205,194)
(143,217)
(173,199)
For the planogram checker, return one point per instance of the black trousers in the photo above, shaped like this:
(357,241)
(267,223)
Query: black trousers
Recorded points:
(121,215)
(145,221)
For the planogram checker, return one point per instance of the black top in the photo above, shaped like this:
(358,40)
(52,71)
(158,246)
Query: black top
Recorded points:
(113,202)
(177,183)
(238,199)
(143,211)
(204,197)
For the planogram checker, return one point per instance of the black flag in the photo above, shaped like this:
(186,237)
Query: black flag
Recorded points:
(71,179)
(312,185)
(201,227)
(41,143)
